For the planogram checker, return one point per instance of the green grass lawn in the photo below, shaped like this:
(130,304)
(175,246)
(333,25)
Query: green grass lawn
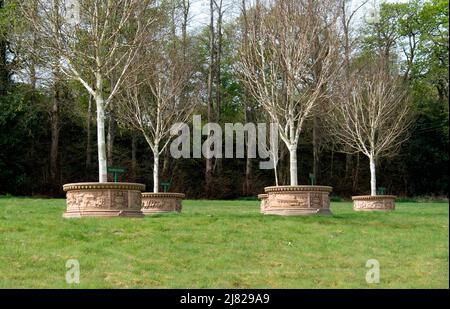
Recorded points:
(224,244)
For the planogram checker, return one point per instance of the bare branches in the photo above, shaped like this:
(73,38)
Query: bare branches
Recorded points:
(280,61)
(287,59)
(157,97)
(103,40)
(95,42)
(371,112)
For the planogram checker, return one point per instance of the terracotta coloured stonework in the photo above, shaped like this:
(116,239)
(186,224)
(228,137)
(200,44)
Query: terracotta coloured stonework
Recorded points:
(161,202)
(297,200)
(263,198)
(103,200)
(373,203)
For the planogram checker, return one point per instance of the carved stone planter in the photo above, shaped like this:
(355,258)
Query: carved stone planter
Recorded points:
(161,202)
(297,200)
(263,198)
(93,199)
(373,203)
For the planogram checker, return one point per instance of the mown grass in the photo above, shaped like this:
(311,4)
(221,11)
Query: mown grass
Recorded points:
(224,244)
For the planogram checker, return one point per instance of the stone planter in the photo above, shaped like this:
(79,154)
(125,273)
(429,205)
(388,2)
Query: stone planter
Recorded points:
(297,200)
(263,198)
(93,199)
(161,202)
(373,203)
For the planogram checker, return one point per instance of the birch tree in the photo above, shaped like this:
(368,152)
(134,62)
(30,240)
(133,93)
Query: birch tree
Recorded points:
(349,40)
(94,40)
(371,115)
(160,96)
(285,73)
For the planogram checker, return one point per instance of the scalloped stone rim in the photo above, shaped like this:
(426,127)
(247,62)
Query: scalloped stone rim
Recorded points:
(373,197)
(103,185)
(163,195)
(298,188)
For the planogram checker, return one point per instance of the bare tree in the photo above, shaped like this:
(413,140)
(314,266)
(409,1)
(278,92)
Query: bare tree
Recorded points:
(285,73)
(94,40)
(371,114)
(158,101)
(211,68)
(180,18)
(349,40)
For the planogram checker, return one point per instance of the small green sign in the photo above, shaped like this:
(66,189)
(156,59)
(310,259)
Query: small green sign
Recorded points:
(116,171)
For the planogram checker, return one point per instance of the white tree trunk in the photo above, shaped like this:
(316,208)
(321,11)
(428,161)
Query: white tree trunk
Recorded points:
(156,172)
(102,165)
(373,177)
(275,170)
(293,164)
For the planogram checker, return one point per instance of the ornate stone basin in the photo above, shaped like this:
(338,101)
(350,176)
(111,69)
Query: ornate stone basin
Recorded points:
(162,202)
(93,199)
(297,200)
(373,202)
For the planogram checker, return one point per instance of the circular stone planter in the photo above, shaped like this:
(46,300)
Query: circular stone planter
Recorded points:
(297,200)
(110,199)
(263,198)
(373,203)
(161,202)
